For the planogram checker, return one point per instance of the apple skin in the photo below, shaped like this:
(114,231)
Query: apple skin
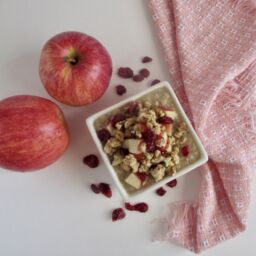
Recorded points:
(75,68)
(33,133)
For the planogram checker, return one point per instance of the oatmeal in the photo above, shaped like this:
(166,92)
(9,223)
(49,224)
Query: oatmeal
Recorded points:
(146,140)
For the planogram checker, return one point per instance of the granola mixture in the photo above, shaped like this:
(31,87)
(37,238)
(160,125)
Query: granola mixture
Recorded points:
(146,140)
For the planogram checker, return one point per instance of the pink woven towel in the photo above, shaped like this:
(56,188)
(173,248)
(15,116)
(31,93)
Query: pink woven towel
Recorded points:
(210,48)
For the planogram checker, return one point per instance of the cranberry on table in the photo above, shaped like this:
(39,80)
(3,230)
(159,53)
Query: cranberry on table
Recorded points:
(95,189)
(125,72)
(129,206)
(141,207)
(145,72)
(172,183)
(120,89)
(91,160)
(155,81)
(105,189)
(146,59)
(161,191)
(138,78)
(118,214)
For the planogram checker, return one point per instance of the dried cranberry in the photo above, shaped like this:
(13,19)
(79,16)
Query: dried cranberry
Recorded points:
(172,183)
(95,189)
(139,157)
(138,78)
(117,118)
(185,151)
(103,135)
(142,176)
(165,120)
(151,147)
(144,72)
(91,160)
(163,151)
(161,191)
(105,189)
(129,206)
(125,72)
(141,207)
(156,81)
(146,59)
(143,126)
(148,135)
(118,214)
(150,138)
(133,108)
(120,89)
(123,151)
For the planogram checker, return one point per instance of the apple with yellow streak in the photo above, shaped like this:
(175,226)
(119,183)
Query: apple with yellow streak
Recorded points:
(75,68)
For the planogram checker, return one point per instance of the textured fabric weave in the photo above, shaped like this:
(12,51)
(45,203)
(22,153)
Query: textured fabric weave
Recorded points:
(210,49)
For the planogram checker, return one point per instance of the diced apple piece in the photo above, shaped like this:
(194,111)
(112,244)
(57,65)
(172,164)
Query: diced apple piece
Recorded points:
(162,140)
(164,136)
(126,144)
(169,129)
(165,108)
(133,145)
(142,127)
(117,160)
(109,127)
(168,146)
(133,180)
(170,113)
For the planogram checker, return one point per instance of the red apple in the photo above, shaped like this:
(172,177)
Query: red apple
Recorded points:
(75,68)
(33,133)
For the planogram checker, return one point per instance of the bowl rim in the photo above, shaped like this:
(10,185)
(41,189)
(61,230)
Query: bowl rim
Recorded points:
(203,154)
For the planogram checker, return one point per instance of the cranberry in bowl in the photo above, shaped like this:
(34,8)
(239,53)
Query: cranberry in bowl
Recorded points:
(146,140)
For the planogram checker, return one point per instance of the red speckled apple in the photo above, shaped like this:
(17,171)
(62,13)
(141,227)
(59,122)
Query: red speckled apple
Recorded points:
(33,133)
(75,68)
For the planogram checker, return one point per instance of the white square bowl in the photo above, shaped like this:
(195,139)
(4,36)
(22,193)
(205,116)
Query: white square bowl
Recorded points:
(203,155)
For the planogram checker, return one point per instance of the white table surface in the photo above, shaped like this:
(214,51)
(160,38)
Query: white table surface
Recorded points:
(53,212)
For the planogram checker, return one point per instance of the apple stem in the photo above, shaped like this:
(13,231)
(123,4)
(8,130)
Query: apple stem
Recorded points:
(71,60)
